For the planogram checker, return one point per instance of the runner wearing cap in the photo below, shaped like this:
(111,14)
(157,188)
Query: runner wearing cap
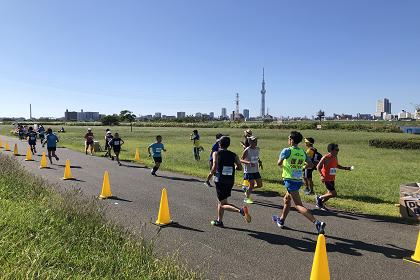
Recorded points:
(314,156)
(251,160)
(89,141)
(108,148)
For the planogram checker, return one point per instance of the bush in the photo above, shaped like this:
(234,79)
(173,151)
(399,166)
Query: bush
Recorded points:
(409,144)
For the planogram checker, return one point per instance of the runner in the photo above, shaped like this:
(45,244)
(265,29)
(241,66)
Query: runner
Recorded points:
(116,143)
(247,133)
(31,136)
(224,164)
(215,148)
(292,160)
(41,132)
(315,158)
(195,137)
(89,141)
(108,148)
(51,139)
(251,160)
(327,167)
(157,149)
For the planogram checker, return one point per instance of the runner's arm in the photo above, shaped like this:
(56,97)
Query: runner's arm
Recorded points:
(148,150)
(243,158)
(238,163)
(214,166)
(343,167)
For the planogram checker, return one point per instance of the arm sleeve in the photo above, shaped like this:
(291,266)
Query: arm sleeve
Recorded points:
(285,153)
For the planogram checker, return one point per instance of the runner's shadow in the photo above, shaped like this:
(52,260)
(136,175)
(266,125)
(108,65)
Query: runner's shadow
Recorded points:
(71,166)
(134,166)
(179,178)
(75,180)
(177,225)
(339,214)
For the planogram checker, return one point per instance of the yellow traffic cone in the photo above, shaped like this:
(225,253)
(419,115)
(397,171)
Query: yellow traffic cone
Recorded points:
(106,187)
(67,171)
(15,150)
(320,269)
(7,147)
(416,257)
(1,144)
(43,161)
(164,218)
(28,155)
(137,157)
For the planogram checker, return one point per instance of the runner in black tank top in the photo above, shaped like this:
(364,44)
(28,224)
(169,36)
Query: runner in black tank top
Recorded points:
(224,164)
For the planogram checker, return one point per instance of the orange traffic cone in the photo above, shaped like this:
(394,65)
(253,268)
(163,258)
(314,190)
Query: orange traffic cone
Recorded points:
(106,187)
(67,171)
(43,161)
(164,218)
(137,157)
(416,257)
(28,155)
(320,269)
(7,147)
(15,150)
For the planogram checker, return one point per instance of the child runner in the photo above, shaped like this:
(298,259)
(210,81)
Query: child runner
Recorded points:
(327,167)
(41,132)
(89,141)
(251,160)
(51,139)
(195,137)
(32,139)
(224,164)
(315,158)
(215,148)
(108,148)
(157,149)
(116,144)
(293,160)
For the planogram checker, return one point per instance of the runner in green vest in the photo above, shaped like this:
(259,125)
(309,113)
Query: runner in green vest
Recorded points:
(293,160)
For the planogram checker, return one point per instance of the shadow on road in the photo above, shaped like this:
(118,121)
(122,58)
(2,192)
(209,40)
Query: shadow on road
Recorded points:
(134,166)
(75,180)
(180,178)
(118,199)
(71,166)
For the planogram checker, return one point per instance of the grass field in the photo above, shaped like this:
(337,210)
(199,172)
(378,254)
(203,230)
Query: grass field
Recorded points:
(372,188)
(49,236)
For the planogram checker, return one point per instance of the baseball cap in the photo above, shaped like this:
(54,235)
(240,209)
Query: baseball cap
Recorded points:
(309,140)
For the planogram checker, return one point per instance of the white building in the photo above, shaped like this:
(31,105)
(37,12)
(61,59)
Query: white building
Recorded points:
(403,115)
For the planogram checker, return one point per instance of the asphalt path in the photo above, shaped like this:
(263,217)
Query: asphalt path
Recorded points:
(359,246)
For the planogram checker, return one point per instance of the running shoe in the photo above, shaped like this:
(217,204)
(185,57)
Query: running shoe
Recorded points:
(320,226)
(278,221)
(207,183)
(217,223)
(152,172)
(245,213)
(307,191)
(119,164)
(323,208)
(248,200)
(318,202)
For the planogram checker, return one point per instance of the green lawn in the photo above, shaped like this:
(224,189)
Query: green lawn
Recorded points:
(372,188)
(45,235)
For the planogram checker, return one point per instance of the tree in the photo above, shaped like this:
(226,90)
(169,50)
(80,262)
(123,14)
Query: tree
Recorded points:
(320,115)
(110,120)
(128,116)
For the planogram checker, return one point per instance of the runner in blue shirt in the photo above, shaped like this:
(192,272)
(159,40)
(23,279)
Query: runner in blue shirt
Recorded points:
(31,136)
(51,139)
(157,149)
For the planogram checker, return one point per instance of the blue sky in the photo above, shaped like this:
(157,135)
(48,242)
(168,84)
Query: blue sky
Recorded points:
(178,55)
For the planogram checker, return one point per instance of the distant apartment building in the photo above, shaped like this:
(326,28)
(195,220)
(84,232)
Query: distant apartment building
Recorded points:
(70,116)
(383,106)
(211,115)
(246,114)
(158,115)
(364,116)
(180,115)
(81,116)
(198,115)
(224,113)
(404,115)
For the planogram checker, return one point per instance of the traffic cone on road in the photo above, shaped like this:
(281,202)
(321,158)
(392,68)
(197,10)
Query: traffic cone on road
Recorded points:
(15,150)
(137,157)
(7,147)
(28,155)
(1,144)
(320,269)
(43,161)
(164,218)
(67,171)
(416,257)
(106,187)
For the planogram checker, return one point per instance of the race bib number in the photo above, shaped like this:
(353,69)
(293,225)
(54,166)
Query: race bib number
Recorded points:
(33,138)
(254,160)
(116,143)
(227,170)
(297,173)
(333,171)
(158,150)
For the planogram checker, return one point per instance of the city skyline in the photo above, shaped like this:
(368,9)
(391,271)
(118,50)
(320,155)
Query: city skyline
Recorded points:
(194,56)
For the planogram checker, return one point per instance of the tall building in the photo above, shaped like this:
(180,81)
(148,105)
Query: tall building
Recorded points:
(180,115)
(224,113)
(246,113)
(70,116)
(158,115)
(263,97)
(211,115)
(237,106)
(383,106)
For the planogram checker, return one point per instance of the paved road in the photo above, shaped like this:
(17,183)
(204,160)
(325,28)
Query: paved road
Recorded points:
(359,246)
